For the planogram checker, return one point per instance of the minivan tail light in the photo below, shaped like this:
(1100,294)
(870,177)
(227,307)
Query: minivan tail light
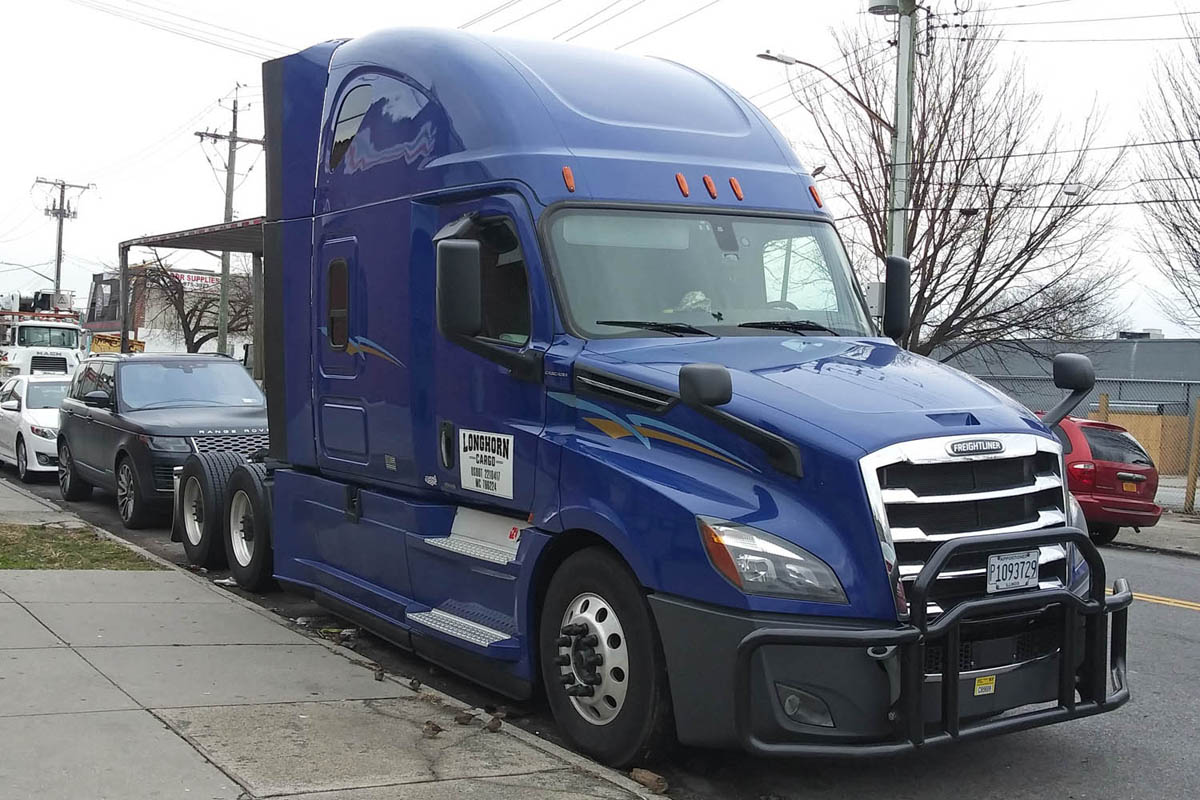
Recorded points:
(1083,474)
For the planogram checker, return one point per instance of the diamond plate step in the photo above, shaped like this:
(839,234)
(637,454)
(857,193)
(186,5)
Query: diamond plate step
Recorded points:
(458,627)
(473,548)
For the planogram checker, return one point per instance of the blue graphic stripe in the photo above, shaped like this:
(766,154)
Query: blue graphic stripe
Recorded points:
(579,404)
(650,422)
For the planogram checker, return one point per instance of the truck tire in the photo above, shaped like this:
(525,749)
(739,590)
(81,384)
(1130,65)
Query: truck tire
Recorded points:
(248,532)
(1103,533)
(70,483)
(203,485)
(597,634)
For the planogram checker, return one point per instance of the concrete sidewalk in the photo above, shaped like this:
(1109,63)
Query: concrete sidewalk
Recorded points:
(159,685)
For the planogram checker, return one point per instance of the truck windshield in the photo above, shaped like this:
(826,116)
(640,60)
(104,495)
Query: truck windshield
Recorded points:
(678,274)
(179,384)
(47,336)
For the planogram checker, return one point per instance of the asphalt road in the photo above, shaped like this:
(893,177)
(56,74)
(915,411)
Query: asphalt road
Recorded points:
(1148,749)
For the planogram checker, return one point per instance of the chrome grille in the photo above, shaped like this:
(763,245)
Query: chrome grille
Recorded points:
(923,495)
(245,445)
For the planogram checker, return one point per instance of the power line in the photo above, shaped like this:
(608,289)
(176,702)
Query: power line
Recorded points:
(1083,41)
(1068,151)
(490,13)
(607,20)
(178,29)
(1030,5)
(524,17)
(586,20)
(237,33)
(667,25)
(1175,14)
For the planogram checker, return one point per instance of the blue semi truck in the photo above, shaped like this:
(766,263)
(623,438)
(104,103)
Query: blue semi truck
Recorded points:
(571,389)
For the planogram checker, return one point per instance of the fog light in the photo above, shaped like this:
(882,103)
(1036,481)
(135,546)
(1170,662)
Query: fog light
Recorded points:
(802,707)
(45,460)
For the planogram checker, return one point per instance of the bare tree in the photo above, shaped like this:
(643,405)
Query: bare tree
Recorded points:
(1003,235)
(191,312)
(1170,184)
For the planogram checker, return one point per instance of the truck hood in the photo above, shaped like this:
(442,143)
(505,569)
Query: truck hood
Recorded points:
(199,421)
(868,392)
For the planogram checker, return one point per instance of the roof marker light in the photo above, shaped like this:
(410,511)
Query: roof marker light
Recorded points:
(737,188)
(816,196)
(682,181)
(712,187)
(569,179)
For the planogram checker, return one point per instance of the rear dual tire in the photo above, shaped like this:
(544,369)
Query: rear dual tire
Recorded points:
(248,549)
(203,489)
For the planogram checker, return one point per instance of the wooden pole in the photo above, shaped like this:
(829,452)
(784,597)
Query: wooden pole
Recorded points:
(1102,407)
(1189,497)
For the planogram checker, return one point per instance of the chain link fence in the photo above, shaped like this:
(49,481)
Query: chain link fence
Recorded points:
(1161,415)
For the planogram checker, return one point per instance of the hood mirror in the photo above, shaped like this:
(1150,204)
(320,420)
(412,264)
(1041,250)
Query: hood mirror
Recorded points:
(1073,372)
(705,385)
(896,297)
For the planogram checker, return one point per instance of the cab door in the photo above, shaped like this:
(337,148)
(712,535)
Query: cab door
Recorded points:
(487,414)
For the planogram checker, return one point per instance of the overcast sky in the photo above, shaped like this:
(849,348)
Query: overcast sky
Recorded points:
(98,98)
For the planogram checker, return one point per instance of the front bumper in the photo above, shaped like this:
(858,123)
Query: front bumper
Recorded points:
(41,454)
(727,669)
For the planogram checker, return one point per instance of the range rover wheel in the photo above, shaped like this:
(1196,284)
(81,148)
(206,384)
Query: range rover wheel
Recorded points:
(70,484)
(132,504)
(248,532)
(602,663)
(203,489)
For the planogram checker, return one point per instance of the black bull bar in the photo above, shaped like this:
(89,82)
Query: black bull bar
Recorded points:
(909,726)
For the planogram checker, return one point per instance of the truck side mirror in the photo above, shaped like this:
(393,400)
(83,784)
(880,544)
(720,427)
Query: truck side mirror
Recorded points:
(1073,372)
(705,385)
(896,297)
(459,288)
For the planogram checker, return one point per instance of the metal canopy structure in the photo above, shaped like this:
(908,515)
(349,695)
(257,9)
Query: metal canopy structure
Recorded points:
(242,236)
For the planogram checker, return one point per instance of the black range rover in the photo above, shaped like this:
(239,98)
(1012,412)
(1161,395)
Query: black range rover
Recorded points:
(130,419)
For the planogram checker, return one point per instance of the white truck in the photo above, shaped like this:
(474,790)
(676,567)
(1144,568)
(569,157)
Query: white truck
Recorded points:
(38,342)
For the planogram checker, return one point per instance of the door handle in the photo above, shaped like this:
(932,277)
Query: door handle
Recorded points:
(446,444)
(1131,476)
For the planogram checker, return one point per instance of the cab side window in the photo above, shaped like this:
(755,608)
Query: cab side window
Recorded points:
(350,117)
(505,285)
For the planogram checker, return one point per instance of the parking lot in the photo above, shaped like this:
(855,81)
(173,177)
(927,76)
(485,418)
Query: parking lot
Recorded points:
(1146,749)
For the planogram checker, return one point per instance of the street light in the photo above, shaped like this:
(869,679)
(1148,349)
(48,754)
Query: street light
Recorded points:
(790,61)
(884,8)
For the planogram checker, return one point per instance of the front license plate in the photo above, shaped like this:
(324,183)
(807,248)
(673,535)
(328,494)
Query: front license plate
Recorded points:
(1009,571)
(1129,486)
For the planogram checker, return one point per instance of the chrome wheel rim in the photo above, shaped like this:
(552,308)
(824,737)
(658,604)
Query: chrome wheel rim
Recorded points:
(64,469)
(193,511)
(241,528)
(22,459)
(592,655)
(125,492)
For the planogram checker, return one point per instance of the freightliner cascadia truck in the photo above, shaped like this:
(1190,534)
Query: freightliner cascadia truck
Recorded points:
(572,390)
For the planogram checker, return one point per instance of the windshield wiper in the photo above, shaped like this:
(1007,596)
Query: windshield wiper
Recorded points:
(673,328)
(790,325)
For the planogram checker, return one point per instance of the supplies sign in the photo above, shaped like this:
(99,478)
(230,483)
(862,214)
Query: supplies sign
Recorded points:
(485,462)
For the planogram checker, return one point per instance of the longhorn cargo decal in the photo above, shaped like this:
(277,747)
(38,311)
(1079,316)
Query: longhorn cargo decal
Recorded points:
(485,462)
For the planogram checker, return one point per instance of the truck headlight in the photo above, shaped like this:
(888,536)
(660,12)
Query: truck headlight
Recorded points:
(168,444)
(759,563)
(45,433)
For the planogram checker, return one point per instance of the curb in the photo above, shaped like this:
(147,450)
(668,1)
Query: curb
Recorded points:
(568,757)
(1149,548)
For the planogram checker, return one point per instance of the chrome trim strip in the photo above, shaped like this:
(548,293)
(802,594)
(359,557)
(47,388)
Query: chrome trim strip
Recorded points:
(907,496)
(936,677)
(1047,518)
(608,387)
(1048,555)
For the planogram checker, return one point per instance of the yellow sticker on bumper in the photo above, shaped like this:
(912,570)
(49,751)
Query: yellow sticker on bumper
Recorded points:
(985,685)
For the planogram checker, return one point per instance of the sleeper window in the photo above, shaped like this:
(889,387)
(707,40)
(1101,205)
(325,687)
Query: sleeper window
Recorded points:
(350,117)
(505,286)
(339,304)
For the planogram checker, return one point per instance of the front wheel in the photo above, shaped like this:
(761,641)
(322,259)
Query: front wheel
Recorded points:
(132,504)
(248,532)
(1103,533)
(70,484)
(23,462)
(602,664)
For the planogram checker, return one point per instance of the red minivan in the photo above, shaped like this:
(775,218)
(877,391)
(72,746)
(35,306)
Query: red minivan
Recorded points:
(1111,476)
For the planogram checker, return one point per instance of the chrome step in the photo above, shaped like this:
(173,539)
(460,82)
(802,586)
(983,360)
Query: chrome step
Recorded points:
(458,627)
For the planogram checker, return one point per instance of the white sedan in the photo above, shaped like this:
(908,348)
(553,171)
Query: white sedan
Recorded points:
(29,422)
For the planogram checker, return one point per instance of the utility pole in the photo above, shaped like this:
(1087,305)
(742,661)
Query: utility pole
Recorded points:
(897,230)
(61,211)
(230,162)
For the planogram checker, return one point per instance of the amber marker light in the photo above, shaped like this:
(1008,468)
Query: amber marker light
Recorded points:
(737,188)
(682,181)
(569,179)
(712,187)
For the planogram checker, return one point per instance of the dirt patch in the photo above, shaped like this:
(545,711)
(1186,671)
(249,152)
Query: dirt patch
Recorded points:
(53,547)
